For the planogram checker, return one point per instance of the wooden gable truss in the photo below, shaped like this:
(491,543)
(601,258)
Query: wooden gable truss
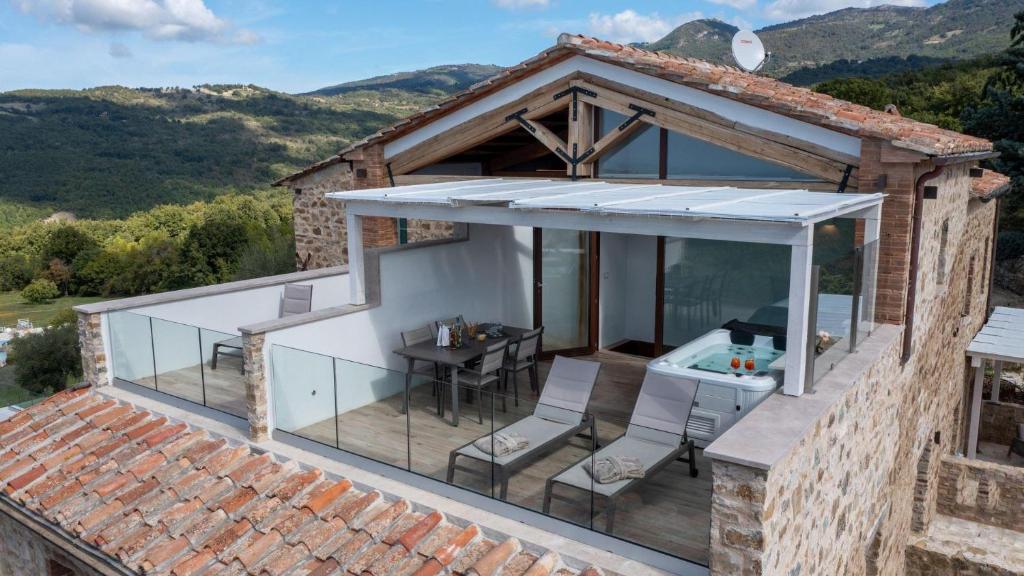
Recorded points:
(578,94)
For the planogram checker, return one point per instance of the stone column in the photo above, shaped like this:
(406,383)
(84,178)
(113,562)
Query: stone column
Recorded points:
(737,519)
(256,395)
(94,355)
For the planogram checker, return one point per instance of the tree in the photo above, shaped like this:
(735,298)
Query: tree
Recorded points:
(40,290)
(16,271)
(871,93)
(45,362)
(65,242)
(59,273)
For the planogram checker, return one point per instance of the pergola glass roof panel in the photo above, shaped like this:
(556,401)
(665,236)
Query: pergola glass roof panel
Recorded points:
(622,198)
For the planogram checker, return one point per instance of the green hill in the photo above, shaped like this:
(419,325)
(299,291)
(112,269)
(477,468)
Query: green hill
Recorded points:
(107,152)
(955,29)
(445,80)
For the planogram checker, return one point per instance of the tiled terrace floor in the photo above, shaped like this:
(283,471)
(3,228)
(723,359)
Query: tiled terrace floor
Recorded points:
(671,512)
(997,454)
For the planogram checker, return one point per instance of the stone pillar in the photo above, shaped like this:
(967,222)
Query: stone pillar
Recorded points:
(737,519)
(256,393)
(94,355)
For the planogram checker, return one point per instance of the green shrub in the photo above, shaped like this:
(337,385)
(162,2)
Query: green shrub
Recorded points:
(40,290)
(47,361)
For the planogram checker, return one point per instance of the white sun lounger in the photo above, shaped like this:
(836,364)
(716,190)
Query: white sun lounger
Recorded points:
(656,436)
(561,414)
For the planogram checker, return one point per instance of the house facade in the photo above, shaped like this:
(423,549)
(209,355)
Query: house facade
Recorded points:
(811,271)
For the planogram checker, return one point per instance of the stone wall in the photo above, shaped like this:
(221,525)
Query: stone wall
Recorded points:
(94,356)
(999,422)
(321,240)
(737,500)
(25,553)
(256,386)
(846,498)
(982,492)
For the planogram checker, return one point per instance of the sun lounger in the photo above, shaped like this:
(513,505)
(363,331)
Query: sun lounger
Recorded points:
(561,414)
(656,436)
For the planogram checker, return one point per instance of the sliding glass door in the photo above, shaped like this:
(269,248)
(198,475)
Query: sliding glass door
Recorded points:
(562,294)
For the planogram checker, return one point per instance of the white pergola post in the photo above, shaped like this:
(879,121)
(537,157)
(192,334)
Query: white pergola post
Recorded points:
(997,377)
(869,282)
(797,332)
(972,431)
(356,259)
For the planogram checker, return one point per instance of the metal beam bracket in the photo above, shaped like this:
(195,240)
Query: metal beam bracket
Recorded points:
(846,179)
(638,112)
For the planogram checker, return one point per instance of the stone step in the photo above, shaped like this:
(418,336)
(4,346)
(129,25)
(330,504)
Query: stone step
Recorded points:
(954,546)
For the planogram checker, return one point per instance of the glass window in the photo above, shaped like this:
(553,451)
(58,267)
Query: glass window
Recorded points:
(710,282)
(690,158)
(638,157)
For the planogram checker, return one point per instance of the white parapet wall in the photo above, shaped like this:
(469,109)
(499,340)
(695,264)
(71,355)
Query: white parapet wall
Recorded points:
(485,277)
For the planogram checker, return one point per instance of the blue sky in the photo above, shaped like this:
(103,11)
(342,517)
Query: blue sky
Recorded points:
(303,45)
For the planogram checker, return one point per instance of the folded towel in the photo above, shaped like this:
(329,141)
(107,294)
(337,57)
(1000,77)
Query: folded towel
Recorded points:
(608,469)
(504,443)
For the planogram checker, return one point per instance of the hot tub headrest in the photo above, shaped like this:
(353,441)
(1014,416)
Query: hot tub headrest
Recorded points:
(741,337)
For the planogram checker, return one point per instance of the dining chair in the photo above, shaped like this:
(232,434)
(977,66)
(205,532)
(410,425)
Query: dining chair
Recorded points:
(435,325)
(428,369)
(522,355)
(487,372)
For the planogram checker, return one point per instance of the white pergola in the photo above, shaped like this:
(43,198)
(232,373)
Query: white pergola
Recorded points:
(1000,340)
(785,217)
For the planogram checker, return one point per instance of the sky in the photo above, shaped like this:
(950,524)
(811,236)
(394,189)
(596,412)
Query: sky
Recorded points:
(301,45)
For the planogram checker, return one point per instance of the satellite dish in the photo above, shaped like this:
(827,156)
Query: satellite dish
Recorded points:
(748,51)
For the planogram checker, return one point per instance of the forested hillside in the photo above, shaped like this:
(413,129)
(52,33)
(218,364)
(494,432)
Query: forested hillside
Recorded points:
(956,29)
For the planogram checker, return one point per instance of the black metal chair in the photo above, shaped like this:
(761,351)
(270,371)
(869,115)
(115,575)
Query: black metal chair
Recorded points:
(522,355)
(484,374)
(1017,444)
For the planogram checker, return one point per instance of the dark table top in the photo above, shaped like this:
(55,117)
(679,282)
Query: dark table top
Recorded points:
(471,348)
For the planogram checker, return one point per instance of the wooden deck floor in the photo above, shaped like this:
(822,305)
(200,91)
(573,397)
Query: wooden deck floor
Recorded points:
(224,387)
(671,512)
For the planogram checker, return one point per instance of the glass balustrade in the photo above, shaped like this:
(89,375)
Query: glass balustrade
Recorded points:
(189,362)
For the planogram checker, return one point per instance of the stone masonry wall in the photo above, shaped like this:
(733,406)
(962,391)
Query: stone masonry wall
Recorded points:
(999,422)
(982,492)
(94,356)
(256,392)
(843,500)
(321,239)
(25,553)
(319,222)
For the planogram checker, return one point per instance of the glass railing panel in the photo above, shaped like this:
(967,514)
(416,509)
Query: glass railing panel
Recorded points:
(131,348)
(667,509)
(443,450)
(868,288)
(557,441)
(371,419)
(223,372)
(835,308)
(303,389)
(178,360)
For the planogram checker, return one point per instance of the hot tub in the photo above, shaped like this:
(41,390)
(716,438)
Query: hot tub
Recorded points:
(725,393)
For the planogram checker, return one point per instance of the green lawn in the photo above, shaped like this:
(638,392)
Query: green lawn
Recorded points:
(13,308)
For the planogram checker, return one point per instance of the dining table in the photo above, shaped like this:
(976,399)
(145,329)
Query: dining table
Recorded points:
(452,358)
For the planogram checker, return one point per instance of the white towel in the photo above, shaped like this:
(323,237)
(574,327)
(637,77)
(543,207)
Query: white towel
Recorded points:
(504,443)
(443,336)
(608,469)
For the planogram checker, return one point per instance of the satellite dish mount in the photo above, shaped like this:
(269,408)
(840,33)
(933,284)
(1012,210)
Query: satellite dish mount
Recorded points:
(748,51)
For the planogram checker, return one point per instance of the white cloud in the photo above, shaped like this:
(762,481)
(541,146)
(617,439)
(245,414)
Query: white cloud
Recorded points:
(793,9)
(737,4)
(187,20)
(517,4)
(119,50)
(628,26)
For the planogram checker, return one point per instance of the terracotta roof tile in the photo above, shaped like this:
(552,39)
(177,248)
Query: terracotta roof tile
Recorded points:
(991,184)
(160,498)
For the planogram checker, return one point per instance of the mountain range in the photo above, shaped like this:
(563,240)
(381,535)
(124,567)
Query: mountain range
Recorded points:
(955,29)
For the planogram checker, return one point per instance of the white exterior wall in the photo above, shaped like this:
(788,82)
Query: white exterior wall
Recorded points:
(628,277)
(227,312)
(485,278)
